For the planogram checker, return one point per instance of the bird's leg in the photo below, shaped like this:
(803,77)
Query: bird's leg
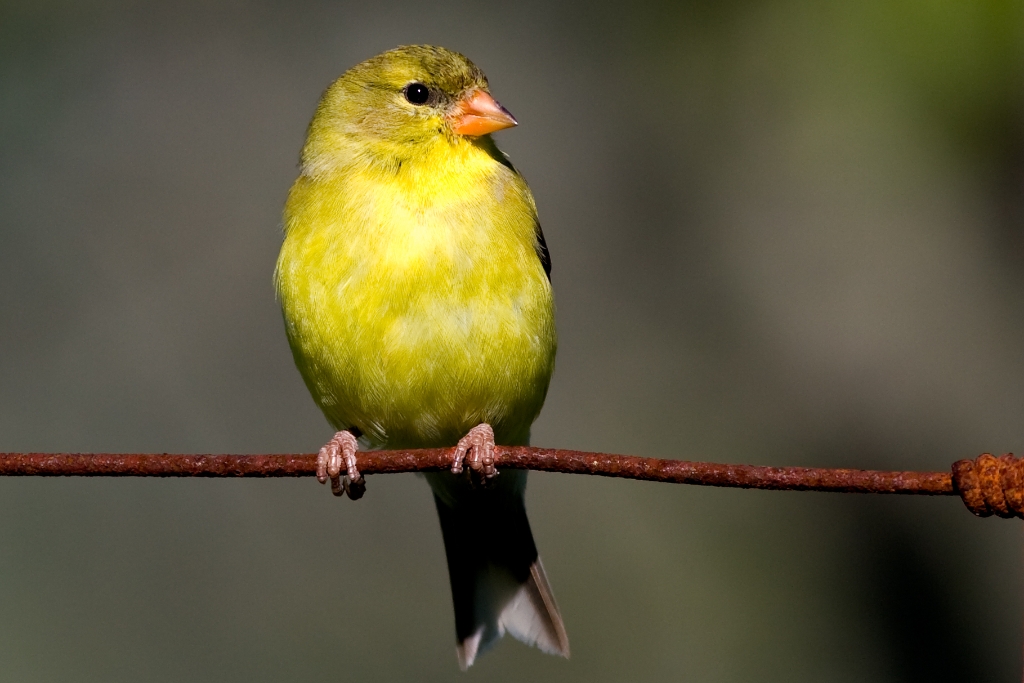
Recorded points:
(477,450)
(341,449)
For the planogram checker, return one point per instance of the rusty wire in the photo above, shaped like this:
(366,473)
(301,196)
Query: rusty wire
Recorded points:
(987,485)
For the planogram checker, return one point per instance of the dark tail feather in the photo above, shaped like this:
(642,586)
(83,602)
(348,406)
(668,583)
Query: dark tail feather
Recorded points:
(498,582)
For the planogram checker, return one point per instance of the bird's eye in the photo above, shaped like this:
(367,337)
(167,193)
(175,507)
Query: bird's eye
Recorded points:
(417,93)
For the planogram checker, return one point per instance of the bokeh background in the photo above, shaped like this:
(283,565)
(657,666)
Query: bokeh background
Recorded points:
(783,232)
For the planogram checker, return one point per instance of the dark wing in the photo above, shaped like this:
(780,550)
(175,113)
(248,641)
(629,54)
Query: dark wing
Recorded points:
(542,250)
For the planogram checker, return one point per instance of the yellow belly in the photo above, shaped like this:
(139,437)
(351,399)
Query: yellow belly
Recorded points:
(416,312)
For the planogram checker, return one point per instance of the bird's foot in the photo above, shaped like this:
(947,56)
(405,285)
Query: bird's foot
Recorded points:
(476,449)
(341,449)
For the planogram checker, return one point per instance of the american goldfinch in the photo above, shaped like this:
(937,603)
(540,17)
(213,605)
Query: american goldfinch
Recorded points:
(414,281)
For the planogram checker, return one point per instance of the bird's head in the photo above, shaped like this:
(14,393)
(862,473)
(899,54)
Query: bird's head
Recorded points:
(401,103)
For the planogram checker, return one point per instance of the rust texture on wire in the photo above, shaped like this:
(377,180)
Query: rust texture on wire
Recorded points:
(544,459)
(991,485)
(988,485)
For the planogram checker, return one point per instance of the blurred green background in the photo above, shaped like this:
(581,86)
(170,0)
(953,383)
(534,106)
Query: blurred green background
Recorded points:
(783,232)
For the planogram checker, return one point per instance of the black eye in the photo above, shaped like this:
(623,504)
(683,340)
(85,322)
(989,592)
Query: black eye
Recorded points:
(417,93)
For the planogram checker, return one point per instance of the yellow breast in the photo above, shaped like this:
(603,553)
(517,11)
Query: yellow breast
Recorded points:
(415,303)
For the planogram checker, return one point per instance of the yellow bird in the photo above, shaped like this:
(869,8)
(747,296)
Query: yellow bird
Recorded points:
(414,281)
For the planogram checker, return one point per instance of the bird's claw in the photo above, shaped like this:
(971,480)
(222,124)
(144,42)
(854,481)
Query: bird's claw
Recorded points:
(476,449)
(341,450)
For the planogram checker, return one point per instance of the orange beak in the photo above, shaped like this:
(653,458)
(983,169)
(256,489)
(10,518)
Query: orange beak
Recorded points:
(477,113)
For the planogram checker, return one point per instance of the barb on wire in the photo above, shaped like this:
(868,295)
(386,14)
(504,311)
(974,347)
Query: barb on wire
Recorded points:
(988,485)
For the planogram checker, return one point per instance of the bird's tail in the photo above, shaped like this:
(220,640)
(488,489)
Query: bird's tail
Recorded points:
(498,581)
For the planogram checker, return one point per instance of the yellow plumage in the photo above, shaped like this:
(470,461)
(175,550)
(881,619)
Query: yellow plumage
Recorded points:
(416,302)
